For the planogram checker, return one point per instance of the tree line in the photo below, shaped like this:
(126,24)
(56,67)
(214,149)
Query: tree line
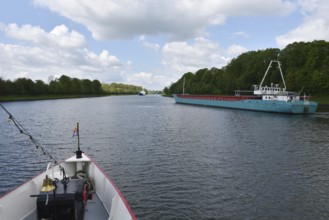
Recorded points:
(305,68)
(120,88)
(64,85)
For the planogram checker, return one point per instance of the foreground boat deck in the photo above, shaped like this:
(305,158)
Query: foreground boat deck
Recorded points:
(94,210)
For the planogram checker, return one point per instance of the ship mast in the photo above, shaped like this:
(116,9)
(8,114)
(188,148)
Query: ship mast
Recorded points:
(268,68)
(284,83)
(79,151)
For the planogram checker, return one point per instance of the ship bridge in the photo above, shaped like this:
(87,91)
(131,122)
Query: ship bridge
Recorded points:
(269,90)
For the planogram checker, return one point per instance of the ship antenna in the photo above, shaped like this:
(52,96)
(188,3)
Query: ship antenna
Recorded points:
(78,152)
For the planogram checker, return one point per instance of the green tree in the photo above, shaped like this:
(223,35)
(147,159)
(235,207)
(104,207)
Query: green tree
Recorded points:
(41,88)
(6,87)
(54,87)
(75,86)
(24,86)
(65,85)
(86,87)
(97,87)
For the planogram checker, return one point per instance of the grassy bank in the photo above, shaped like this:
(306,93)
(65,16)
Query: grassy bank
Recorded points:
(321,99)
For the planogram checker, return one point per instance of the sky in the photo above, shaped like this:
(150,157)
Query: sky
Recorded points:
(149,43)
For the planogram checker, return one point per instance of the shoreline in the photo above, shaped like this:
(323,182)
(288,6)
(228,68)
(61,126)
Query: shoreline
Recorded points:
(50,97)
(36,98)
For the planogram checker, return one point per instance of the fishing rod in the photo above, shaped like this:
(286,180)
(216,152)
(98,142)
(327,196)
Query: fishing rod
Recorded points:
(23,131)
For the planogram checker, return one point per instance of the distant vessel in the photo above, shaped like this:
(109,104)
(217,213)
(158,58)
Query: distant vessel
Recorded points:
(266,99)
(141,93)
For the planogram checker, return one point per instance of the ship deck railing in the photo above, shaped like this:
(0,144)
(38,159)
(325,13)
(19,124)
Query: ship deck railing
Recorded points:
(218,97)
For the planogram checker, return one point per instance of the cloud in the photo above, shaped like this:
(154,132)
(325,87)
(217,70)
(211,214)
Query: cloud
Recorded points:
(312,6)
(148,80)
(140,77)
(152,46)
(317,29)
(183,57)
(105,59)
(59,36)
(57,52)
(252,7)
(178,58)
(235,50)
(177,20)
(242,34)
(315,25)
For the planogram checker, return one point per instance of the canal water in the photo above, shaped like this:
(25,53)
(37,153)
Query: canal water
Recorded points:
(174,161)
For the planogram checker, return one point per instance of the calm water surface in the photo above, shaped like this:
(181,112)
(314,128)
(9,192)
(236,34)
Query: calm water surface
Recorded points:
(181,162)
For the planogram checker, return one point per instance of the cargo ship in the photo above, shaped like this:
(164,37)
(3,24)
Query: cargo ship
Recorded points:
(271,98)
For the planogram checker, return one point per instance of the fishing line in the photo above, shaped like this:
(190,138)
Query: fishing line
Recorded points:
(23,131)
